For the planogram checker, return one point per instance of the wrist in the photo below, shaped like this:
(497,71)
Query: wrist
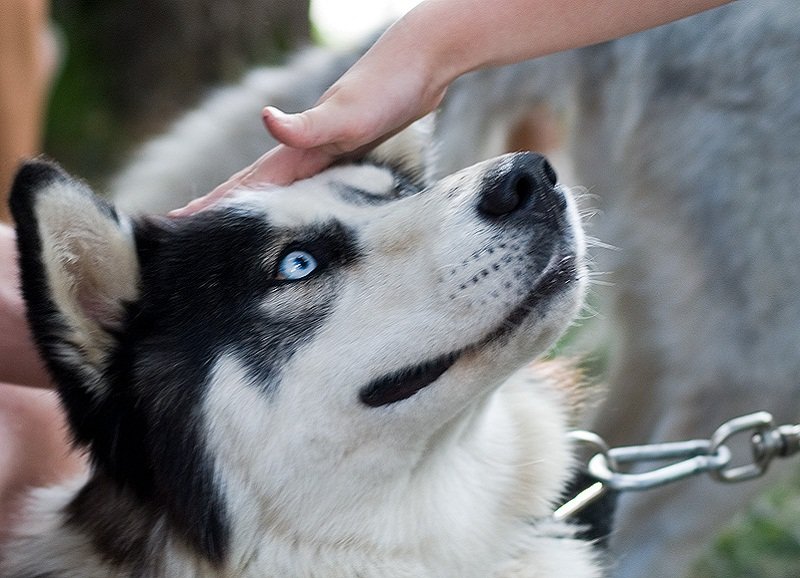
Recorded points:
(428,37)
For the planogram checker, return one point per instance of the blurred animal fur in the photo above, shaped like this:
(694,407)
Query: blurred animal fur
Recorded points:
(688,136)
(320,380)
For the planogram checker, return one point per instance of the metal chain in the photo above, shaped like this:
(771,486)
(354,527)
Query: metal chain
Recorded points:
(686,458)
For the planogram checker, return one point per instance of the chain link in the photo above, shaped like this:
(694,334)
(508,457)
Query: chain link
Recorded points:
(684,459)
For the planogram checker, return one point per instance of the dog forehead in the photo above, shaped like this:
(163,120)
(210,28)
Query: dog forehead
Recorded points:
(343,193)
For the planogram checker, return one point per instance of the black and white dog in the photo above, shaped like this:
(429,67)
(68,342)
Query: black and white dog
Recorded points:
(688,137)
(317,380)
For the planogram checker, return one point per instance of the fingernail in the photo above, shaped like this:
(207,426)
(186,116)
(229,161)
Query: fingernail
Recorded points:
(279,116)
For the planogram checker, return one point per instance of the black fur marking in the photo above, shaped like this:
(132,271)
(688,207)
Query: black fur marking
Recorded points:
(203,280)
(45,320)
(332,245)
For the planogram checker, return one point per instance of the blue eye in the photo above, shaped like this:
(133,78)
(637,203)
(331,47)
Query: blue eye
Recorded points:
(296,265)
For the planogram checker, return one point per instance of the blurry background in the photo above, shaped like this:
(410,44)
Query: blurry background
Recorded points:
(344,22)
(131,66)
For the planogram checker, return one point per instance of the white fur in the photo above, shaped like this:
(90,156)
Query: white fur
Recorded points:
(91,261)
(457,480)
(687,137)
(453,510)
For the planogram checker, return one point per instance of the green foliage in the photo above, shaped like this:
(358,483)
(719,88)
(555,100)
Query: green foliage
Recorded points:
(764,542)
(131,66)
(81,121)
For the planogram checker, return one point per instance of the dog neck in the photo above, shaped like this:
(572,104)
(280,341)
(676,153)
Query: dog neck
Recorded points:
(469,493)
(468,498)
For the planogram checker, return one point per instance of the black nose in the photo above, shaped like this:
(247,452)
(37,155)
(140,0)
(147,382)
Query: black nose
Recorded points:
(514,182)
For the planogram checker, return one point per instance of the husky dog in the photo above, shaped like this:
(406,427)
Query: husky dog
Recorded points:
(317,380)
(688,137)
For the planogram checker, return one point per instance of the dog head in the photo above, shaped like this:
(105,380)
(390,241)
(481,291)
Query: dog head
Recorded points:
(302,344)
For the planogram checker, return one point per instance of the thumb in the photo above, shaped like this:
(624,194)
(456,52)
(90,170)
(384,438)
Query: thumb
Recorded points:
(328,126)
(280,166)
(300,130)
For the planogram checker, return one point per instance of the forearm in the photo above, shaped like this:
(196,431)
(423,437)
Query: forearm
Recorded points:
(22,86)
(406,72)
(457,36)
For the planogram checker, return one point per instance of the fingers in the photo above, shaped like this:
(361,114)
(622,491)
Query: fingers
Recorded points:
(218,193)
(280,166)
(294,130)
(19,358)
(354,115)
(35,449)
(326,125)
(201,203)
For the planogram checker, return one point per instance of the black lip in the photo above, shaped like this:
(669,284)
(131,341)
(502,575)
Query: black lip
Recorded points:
(561,271)
(406,382)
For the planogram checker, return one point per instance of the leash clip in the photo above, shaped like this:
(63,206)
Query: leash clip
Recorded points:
(687,459)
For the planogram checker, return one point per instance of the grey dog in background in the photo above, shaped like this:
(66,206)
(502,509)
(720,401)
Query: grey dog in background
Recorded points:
(688,137)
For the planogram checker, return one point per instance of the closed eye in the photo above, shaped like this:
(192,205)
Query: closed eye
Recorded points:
(359,197)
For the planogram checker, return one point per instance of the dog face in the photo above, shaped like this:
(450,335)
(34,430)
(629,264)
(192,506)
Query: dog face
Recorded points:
(305,345)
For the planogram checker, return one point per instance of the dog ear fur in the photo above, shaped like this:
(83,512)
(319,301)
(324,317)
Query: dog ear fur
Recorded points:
(81,282)
(79,272)
(79,265)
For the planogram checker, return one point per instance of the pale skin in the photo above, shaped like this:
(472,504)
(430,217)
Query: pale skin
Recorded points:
(33,441)
(405,74)
(33,446)
(27,60)
(400,79)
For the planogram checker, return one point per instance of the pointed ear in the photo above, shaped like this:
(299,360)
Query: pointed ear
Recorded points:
(79,270)
(409,151)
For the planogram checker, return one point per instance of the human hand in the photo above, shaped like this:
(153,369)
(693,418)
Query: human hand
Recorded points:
(406,72)
(35,449)
(19,360)
(389,88)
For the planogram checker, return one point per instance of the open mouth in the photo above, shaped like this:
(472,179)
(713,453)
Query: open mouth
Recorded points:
(402,384)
